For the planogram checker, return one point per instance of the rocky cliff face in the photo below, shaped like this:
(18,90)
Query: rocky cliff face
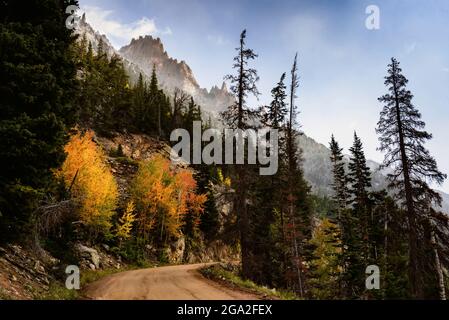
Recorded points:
(84,29)
(143,53)
(146,52)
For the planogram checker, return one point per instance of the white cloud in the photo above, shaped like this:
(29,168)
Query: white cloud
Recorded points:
(117,32)
(446,69)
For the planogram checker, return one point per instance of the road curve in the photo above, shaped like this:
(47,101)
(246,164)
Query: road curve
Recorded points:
(182,282)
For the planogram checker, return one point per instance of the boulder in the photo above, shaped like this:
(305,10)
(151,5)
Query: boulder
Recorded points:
(89,255)
(175,251)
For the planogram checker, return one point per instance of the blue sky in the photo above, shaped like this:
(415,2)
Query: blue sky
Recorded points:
(342,63)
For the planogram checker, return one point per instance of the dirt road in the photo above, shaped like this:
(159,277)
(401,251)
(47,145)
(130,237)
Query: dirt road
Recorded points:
(182,282)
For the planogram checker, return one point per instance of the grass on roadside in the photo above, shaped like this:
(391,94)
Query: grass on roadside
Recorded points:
(58,291)
(219,273)
(4,295)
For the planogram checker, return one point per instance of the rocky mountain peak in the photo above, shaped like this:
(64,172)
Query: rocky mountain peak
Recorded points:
(224,87)
(149,44)
(144,52)
(84,29)
(147,51)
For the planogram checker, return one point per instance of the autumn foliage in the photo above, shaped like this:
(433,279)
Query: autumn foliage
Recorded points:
(326,260)
(90,182)
(164,197)
(126,222)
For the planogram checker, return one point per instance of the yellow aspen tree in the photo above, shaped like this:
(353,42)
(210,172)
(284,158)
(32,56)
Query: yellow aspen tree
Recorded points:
(90,181)
(190,203)
(126,222)
(326,262)
(163,196)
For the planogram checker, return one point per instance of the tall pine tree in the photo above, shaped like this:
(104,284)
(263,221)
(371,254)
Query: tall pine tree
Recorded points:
(238,116)
(340,181)
(402,137)
(269,250)
(359,176)
(37,85)
(298,203)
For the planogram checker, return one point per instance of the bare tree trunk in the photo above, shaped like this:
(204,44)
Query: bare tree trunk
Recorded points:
(297,261)
(442,290)
(414,272)
(386,238)
(159,120)
(241,207)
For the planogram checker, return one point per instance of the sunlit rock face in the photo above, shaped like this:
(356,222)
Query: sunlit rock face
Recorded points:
(146,52)
(143,53)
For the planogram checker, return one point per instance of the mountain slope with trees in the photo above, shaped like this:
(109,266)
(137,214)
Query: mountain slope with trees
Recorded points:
(88,167)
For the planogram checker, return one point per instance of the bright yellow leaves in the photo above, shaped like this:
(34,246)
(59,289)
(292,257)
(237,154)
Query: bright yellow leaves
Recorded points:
(163,197)
(90,181)
(126,221)
(222,180)
(326,263)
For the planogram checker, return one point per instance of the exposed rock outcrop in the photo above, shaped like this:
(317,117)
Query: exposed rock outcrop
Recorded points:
(88,257)
(146,52)
(175,251)
(23,274)
(143,53)
(96,258)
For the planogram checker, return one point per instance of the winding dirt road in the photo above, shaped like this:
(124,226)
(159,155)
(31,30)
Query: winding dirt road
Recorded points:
(182,282)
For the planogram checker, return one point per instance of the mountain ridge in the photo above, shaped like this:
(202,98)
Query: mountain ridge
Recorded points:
(147,52)
(142,53)
(318,170)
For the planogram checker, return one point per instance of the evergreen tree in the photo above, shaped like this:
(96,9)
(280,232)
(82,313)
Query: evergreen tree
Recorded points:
(356,224)
(359,176)
(142,115)
(269,241)
(115,107)
(155,108)
(180,101)
(243,84)
(89,55)
(389,252)
(210,222)
(237,116)
(274,114)
(402,137)
(193,113)
(298,202)
(340,181)
(37,85)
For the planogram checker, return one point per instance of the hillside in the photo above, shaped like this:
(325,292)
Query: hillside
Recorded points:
(94,193)
(318,170)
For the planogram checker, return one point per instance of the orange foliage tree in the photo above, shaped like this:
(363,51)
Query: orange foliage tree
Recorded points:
(90,182)
(163,196)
